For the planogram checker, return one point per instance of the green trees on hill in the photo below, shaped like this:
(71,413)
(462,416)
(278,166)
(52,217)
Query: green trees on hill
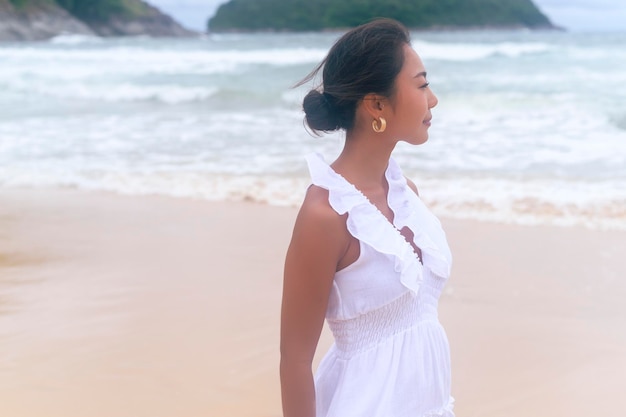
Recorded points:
(90,10)
(99,10)
(23,4)
(270,14)
(303,15)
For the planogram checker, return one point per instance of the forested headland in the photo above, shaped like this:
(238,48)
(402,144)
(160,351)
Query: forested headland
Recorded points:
(313,15)
(43,19)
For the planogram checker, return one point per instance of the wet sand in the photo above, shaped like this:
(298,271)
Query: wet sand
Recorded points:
(151,306)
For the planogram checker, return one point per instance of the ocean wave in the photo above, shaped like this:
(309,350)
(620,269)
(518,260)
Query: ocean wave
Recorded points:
(476,51)
(550,148)
(122,92)
(200,58)
(596,205)
(134,60)
(72,39)
(86,60)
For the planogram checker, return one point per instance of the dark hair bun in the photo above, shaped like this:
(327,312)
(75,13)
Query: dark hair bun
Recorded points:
(319,111)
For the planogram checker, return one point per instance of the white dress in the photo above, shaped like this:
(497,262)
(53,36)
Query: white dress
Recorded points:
(391,356)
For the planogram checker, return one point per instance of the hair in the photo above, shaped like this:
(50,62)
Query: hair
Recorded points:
(366,59)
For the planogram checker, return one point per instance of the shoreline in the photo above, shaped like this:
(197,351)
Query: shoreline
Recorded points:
(115,305)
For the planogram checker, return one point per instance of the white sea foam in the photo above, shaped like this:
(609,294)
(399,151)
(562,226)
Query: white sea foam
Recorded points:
(73,39)
(595,204)
(472,52)
(133,74)
(599,205)
(532,133)
(119,92)
(133,60)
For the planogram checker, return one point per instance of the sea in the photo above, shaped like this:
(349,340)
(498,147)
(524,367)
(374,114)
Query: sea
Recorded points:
(530,128)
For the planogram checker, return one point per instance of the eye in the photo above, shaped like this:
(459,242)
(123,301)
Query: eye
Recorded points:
(425,85)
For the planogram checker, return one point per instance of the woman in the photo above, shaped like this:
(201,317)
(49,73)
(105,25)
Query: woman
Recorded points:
(366,254)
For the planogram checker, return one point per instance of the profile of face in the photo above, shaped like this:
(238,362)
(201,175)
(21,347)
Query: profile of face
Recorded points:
(372,72)
(409,114)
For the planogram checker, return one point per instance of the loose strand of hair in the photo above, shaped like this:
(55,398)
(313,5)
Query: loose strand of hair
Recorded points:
(311,75)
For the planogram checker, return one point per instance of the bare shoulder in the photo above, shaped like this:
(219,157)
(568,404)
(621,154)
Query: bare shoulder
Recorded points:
(318,242)
(412,185)
(316,209)
(319,232)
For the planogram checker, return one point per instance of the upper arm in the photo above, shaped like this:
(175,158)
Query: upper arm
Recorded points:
(318,241)
(412,185)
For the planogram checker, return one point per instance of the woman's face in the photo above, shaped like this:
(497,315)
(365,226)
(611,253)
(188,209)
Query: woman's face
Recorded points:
(412,101)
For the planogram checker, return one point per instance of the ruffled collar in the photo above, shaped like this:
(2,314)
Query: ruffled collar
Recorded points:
(367,224)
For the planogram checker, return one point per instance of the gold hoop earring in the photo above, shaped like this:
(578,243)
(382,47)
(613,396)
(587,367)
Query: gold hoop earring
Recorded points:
(382,127)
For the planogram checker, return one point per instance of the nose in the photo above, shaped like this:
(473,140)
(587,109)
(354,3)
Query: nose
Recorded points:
(432,99)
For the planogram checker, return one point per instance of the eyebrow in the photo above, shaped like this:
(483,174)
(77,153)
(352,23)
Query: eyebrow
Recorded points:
(421,74)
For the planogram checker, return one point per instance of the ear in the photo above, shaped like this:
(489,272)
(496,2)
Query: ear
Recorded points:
(374,104)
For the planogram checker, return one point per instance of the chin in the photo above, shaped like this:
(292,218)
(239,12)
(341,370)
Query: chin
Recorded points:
(417,140)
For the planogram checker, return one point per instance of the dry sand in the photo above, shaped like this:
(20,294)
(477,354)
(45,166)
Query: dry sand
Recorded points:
(149,306)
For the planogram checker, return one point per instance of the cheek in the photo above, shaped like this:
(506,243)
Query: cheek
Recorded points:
(411,107)
(418,106)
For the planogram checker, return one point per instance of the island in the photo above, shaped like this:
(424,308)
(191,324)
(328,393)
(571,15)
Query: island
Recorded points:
(316,15)
(31,20)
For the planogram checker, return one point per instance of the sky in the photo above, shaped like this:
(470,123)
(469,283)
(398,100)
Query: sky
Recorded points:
(574,15)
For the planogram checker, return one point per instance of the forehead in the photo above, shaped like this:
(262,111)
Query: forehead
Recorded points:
(412,62)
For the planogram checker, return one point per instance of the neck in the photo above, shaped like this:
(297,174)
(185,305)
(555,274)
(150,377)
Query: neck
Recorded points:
(364,159)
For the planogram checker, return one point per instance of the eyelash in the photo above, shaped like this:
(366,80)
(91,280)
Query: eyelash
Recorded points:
(425,85)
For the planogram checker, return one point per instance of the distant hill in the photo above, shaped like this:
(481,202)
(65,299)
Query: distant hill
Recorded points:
(311,15)
(43,19)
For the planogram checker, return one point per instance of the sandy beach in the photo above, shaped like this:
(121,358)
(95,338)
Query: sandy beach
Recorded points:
(123,306)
